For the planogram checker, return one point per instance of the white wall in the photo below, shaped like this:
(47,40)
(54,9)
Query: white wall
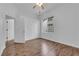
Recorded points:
(26,24)
(66,21)
(26,27)
(2,40)
(19,30)
(31,28)
(5,9)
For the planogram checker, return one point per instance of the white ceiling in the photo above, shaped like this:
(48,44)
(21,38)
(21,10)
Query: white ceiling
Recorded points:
(28,8)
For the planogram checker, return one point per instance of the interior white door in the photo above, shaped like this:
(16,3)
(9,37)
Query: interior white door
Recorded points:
(10,29)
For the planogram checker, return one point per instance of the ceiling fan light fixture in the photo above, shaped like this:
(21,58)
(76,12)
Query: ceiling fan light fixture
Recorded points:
(39,4)
(40,7)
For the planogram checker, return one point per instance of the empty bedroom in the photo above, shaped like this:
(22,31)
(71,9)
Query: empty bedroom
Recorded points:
(39,29)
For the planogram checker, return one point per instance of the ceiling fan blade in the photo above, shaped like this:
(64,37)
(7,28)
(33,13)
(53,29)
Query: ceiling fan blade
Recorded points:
(42,7)
(34,6)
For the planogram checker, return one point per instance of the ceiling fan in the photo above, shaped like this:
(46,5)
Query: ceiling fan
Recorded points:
(40,5)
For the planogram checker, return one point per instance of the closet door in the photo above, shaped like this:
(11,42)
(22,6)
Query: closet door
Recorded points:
(10,29)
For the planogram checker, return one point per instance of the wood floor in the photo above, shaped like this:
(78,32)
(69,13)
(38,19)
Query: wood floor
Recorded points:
(39,47)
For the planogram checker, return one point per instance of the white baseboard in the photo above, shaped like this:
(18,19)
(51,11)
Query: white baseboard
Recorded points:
(76,46)
(19,41)
(31,38)
(1,51)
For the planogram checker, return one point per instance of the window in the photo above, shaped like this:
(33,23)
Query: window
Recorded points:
(48,25)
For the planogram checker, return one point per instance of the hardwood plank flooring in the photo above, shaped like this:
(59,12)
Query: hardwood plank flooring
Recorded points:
(39,47)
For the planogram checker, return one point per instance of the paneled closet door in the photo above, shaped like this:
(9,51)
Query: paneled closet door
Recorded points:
(10,29)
